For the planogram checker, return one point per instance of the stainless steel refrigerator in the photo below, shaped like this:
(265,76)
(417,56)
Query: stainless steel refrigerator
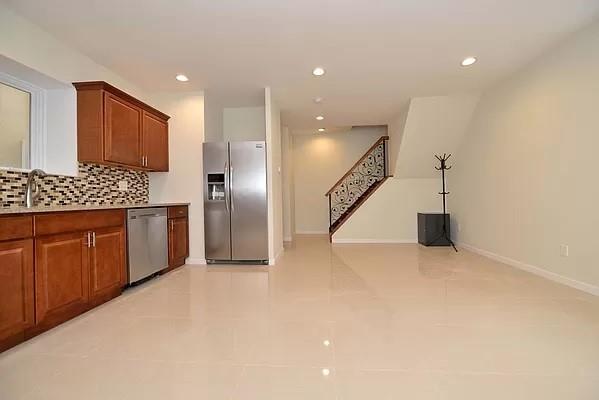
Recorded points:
(235,202)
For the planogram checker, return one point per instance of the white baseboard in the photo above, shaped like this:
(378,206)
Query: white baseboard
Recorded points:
(585,287)
(279,254)
(374,241)
(311,232)
(196,261)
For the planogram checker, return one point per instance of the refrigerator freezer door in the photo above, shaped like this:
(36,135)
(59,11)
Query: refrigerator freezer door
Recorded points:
(217,220)
(249,218)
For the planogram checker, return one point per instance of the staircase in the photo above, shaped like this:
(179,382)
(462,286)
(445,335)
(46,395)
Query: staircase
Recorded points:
(358,184)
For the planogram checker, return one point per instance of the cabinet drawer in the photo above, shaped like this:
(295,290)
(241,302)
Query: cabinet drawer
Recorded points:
(16,227)
(177,211)
(62,222)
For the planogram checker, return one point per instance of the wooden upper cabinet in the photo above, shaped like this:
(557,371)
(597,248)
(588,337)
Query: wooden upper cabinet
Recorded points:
(155,141)
(122,132)
(61,277)
(16,291)
(115,128)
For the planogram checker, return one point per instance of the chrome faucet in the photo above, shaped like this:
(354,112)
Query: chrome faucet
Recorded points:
(33,190)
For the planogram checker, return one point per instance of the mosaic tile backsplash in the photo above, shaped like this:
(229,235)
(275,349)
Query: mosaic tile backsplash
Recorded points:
(95,185)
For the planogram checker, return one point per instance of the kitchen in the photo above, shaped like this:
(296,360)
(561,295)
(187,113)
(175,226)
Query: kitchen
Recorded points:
(73,241)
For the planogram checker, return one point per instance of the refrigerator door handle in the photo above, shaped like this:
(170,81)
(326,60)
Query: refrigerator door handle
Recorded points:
(226,186)
(231,188)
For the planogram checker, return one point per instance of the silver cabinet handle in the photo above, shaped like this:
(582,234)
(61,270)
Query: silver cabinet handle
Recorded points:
(226,185)
(89,239)
(94,239)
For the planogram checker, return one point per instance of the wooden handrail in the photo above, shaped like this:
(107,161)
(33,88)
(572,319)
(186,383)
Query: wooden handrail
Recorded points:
(381,139)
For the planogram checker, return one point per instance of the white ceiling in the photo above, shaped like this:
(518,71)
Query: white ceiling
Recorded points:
(377,53)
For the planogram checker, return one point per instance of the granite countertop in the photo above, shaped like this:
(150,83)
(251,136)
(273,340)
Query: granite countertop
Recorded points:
(42,209)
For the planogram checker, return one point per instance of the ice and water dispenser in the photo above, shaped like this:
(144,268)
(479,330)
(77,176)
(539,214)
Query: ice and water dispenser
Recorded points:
(216,187)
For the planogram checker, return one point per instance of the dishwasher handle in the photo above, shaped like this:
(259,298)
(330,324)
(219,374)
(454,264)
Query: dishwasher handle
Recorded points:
(145,216)
(146,213)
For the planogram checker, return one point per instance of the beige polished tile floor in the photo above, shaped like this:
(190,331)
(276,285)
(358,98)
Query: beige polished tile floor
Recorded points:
(328,322)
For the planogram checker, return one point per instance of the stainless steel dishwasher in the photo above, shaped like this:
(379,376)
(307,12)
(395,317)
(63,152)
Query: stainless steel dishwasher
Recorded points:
(147,242)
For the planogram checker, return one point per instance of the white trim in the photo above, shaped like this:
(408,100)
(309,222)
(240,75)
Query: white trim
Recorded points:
(287,239)
(196,261)
(585,287)
(375,241)
(311,232)
(37,121)
(279,254)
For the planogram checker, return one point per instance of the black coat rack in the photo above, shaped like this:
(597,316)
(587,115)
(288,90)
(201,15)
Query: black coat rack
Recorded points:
(443,167)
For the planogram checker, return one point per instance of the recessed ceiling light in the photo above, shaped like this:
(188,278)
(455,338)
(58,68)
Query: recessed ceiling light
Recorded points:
(320,118)
(325,372)
(320,129)
(468,61)
(318,100)
(181,78)
(318,71)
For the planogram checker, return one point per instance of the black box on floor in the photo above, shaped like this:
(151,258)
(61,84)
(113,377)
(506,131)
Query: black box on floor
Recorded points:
(430,229)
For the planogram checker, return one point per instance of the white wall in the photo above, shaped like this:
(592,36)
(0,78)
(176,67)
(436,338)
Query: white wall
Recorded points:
(243,123)
(28,52)
(525,178)
(61,132)
(274,178)
(434,125)
(395,129)
(390,214)
(213,118)
(184,181)
(319,160)
(28,44)
(288,186)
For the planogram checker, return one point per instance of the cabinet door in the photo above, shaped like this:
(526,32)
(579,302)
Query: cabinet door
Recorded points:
(107,273)
(122,131)
(61,278)
(178,244)
(16,291)
(155,140)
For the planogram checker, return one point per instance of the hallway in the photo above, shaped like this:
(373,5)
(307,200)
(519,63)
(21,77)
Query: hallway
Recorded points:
(327,322)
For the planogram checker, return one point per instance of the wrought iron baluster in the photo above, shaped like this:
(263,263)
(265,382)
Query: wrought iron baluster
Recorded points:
(371,170)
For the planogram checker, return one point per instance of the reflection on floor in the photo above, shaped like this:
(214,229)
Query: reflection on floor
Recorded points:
(328,322)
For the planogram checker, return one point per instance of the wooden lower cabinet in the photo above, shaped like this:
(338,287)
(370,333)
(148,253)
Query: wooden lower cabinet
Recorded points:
(55,266)
(108,269)
(178,242)
(16,291)
(61,278)
(79,263)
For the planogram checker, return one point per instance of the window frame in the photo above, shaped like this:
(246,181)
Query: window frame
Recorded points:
(37,122)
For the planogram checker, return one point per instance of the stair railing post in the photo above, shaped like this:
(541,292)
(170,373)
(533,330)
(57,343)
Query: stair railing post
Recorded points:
(330,214)
(384,158)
